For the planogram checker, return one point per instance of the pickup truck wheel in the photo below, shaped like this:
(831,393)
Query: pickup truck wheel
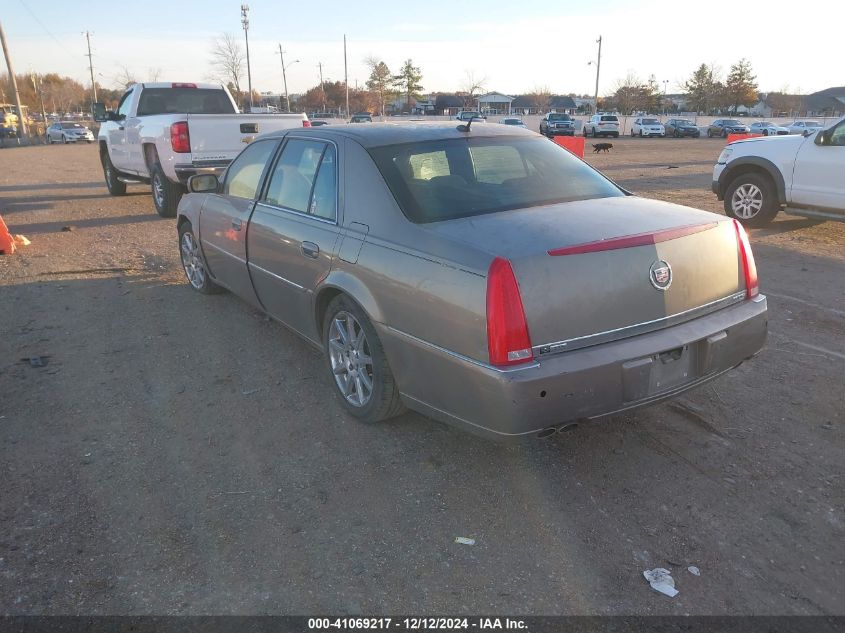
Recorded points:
(115,187)
(193,262)
(357,363)
(751,199)
(166,195)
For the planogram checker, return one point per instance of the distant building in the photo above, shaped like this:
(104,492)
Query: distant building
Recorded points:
(448,104)
(827,103)
(494,103)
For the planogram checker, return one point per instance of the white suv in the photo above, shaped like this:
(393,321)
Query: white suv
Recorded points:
(647,126)
(602,125)
(802,174)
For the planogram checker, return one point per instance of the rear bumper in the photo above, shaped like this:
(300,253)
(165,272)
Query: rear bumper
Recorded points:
(581,384)
(183,172)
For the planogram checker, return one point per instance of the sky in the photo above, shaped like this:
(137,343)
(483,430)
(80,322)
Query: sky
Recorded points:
(516,47)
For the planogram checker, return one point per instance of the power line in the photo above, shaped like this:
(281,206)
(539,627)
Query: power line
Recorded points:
(41,24)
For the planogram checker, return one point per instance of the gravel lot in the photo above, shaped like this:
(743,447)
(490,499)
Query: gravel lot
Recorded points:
(182,454)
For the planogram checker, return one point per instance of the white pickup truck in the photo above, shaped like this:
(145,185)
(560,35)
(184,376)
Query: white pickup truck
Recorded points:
(164,133)
(804,175)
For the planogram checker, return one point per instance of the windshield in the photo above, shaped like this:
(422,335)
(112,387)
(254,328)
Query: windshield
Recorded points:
(184,101)
(683,122)
(454,178)
(513,121)
(812,124)
(70,126)
(559,117)
(732,122)
(651,122)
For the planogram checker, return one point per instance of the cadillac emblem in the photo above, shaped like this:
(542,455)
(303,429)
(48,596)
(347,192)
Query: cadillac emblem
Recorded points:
(660,274)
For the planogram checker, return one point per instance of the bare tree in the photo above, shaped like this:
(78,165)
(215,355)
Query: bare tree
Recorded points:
(153,74)
(125,77)
(472,86)
(227,61)
(540,98)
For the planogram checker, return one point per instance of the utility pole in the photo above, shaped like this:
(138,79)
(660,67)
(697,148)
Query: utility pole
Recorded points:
(91,65)
(598,69)
(245,22)
(39,89)
(284,76)
(14,82)
(345,75)
(322,87)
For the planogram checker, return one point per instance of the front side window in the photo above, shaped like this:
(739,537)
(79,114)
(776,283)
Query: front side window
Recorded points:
(838,136)
(244,174)
(453,178)
(123,106)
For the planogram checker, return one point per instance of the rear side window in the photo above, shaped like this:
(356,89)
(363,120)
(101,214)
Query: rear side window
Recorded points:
(453,178)
(244,174)
(305,179)
(184,101)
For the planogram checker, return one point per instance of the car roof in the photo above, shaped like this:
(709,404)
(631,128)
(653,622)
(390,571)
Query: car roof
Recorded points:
(380,134)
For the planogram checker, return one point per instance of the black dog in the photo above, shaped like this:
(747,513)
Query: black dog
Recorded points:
(602,147)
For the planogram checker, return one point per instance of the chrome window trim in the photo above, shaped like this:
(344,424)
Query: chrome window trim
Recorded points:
(644,327)
(272,207)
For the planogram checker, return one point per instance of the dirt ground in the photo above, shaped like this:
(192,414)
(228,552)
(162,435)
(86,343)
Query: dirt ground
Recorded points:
(182,454)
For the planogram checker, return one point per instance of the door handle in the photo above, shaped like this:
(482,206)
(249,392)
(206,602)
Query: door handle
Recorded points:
(237,225)
(310,249)
(120,128)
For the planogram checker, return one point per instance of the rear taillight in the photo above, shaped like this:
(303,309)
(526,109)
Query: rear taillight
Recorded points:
(180,140)
(508,341)
(749,268)
(306,123)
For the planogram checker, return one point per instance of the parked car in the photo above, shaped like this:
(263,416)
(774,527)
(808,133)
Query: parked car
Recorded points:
(800,127)
(163,133)
(682,127)
(647,126)
(557,124)
(361,117)
(318,122)
(486,278)
(469,115)
(68,132)
(513,120)
(723,127)
(767,128)
(602,125)
(802,175)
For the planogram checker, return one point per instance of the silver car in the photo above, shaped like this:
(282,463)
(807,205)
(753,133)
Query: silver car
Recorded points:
(68,132)
(477,274)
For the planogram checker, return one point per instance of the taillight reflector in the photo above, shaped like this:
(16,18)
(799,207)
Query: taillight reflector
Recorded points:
(508,342)
(306,123)
(749,268)
(180,140)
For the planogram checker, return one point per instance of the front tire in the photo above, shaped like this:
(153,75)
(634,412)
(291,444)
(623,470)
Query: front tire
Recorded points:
(64,139)
(166,194)
(751,198)
(115,186)
(357,363)
(193,262)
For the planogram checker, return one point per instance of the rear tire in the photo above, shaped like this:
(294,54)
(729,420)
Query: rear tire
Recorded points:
(115,186)
(752,199)
(355,357)
(166,195)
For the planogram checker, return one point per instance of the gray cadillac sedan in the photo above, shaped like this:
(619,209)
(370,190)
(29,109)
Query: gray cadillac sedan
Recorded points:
(478,274)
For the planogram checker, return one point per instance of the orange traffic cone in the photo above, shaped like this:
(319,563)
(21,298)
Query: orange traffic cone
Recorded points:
(9,242)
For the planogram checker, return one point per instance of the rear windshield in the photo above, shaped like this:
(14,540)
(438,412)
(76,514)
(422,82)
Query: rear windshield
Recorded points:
(184,101)
(609,118)
(455,178)
(70,126)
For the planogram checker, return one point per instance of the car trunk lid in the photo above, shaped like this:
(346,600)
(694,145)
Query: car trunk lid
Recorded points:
(598,270)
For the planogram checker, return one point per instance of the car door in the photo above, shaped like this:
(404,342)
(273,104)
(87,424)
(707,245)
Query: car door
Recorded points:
(294,232)
(225,215)
(117,134)
(817,178)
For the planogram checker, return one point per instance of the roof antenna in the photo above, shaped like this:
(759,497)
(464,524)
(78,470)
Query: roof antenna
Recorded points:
(465,127)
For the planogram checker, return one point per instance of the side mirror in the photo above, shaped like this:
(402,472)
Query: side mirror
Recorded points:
(98,111)
(203,183)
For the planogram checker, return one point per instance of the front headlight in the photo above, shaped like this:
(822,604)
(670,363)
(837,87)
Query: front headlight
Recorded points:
(724,156)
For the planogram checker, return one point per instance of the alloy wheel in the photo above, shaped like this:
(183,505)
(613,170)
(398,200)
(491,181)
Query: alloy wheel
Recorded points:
(192,261)
(158,191)
(351,360)
(747,200)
